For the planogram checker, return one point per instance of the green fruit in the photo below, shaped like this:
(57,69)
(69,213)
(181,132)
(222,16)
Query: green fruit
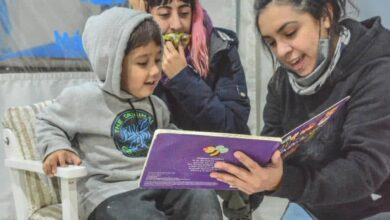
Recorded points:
(177,39)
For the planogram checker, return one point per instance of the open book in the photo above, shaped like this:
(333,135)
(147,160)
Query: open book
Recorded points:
(180,159)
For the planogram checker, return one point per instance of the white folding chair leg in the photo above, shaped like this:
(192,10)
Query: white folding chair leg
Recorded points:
(18,190)
(69,199)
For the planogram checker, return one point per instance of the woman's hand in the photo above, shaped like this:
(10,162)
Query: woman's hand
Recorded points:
(139,5)
(254,178)
(59,158)
(174,60)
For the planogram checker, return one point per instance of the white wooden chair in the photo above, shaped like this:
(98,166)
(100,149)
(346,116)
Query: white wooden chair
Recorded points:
(36,195)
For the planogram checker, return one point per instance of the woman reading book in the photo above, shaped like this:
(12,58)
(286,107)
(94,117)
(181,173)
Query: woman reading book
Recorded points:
(342,172)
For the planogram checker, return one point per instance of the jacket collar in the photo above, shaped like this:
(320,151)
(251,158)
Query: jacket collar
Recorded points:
(220,40)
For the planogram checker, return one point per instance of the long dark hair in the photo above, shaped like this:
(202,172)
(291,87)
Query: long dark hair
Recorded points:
(145,32)
(316,8)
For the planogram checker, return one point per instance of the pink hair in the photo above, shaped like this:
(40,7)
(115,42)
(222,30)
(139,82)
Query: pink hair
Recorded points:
(199,50)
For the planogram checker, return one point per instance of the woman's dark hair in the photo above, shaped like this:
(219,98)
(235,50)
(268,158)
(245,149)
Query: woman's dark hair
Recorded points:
(153,3)
(316,8)
(144,33)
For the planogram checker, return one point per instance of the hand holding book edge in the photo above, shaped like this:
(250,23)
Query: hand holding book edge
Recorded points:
(253,178)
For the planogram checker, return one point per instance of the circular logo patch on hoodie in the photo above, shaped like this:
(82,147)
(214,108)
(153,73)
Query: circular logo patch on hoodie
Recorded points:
(132,131)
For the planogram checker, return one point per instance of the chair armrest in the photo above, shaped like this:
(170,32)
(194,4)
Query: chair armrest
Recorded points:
(68,185)
(69,172)
(21,188)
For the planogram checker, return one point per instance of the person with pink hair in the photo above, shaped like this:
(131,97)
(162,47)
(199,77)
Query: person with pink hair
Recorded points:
(203,81)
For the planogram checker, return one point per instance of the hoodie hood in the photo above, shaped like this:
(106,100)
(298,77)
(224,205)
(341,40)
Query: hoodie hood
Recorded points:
(105,38)
(368,43)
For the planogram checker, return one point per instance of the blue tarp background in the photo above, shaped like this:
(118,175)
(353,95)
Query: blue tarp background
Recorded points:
(61,42)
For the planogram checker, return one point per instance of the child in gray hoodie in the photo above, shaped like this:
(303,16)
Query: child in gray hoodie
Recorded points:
(109,124)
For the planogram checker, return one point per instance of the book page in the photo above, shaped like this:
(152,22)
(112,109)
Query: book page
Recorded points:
(292,140)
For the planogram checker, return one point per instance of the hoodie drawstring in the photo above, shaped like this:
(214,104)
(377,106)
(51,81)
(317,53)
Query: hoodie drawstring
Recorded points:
(153,109)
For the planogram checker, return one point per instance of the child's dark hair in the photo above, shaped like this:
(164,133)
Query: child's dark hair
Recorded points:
(143,34)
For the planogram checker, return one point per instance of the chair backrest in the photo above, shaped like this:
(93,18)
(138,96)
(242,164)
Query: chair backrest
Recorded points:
(41,191)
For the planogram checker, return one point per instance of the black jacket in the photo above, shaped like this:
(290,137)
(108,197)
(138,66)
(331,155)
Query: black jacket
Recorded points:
(335,174)
(218,103)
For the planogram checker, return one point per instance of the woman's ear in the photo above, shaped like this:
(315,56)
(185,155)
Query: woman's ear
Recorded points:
(326,22)
(327,19)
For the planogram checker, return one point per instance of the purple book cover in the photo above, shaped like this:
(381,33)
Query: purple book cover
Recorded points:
(184,159)
(180,159)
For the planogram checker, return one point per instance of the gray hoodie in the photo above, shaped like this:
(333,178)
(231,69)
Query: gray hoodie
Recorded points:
(96,121)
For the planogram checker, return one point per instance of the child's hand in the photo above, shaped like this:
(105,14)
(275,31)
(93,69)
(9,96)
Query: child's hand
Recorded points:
(59,158)
(174,60)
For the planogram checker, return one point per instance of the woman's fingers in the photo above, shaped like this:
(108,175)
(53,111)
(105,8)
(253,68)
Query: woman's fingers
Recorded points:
(233,174)
(277,159)
(232,180)
(232,169)
(253,177)
(169,48)
(250,164)
(181,50)
(173,61)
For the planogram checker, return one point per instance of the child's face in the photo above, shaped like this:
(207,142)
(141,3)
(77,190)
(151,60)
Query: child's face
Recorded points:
(293,37)
(141,70)
(173,17)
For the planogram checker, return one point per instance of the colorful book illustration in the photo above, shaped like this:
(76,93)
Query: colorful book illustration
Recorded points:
(180,159)
(308,129)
